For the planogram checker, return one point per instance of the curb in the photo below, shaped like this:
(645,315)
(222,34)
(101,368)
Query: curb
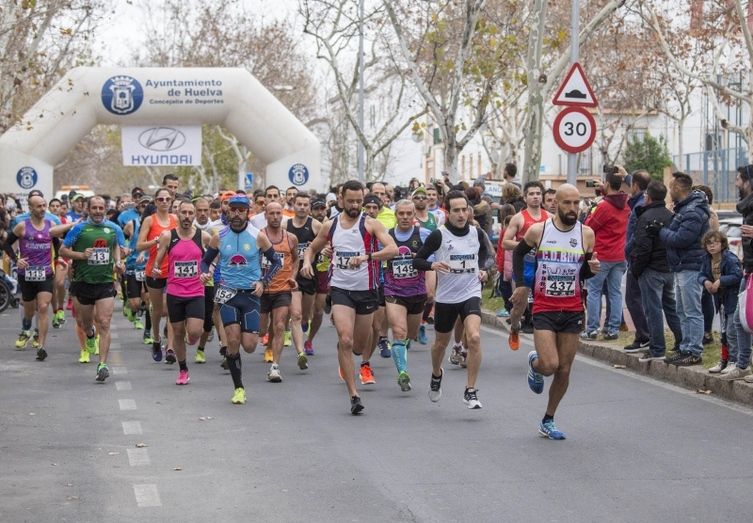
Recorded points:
(693,378)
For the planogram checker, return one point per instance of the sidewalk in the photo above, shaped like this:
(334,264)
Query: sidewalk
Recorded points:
(694,378)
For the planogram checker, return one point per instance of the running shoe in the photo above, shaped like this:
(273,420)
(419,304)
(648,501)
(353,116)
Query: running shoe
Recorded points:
(535,379)
(200,357)
(41,354)
(355,405)
(60,316)
(503,313)
(547,429)
(735,374)
(404,381)
(287,340)
(274,375)
(170,357)
(91,344)
(305,326)
(183,378)
(23,339)
(128,313)
(719,367)
(435,387)
(239,396)
(268,357)
(138,324)
(308,348)
(35,340)
(303,361)
(456,356)
(384,348)
(148,340)
(423,339)
(470,398)
(464,358)
(156,351)
(102,372)
(514,340)
(84,356)
(366,374)
(55,321)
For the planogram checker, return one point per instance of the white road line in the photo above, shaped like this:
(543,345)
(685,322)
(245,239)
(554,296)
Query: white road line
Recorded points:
(119,371)
(131,427)
(147,495)
(127,404)
(123,385)
(138,457)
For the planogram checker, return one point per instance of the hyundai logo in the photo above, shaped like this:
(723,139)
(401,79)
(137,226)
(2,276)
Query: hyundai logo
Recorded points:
(162,139)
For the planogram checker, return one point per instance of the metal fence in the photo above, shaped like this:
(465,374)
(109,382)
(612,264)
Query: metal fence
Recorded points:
(715,168)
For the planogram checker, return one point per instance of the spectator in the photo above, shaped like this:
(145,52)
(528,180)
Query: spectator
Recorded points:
(648,264)
(504,264)
(511,194)
(707,301)
(609,223)
(682,237)
(744,184)
(633,302)
(720,276)
(511,170)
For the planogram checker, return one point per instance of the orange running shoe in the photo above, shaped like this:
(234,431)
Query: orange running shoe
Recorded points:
(367,376)
(514,340)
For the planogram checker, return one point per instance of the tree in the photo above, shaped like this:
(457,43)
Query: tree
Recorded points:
(647,153)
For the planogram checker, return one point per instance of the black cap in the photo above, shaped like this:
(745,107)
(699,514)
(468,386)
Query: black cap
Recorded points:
(317,204)
(372,198)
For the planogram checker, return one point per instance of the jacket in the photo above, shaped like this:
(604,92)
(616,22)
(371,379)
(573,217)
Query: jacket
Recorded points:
(609,223)
(745,207)
(682,236)
(635,203)
(648,252)
(730,279)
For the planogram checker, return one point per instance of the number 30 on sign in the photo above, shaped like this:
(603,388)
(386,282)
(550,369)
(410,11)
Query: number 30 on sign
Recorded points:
(574,129)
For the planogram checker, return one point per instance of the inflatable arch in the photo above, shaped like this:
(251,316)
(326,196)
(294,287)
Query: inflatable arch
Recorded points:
(87,96)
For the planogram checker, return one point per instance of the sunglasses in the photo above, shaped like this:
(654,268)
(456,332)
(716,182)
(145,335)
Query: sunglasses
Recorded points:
(162,199)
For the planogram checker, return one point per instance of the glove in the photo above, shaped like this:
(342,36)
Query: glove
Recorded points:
(653,228)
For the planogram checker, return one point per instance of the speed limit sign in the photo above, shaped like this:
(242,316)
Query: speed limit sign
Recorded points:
(574,129)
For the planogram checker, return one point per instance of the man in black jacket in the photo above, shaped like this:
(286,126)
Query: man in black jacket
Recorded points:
(650,267)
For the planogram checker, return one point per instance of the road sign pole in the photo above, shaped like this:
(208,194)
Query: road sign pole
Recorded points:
(572,159)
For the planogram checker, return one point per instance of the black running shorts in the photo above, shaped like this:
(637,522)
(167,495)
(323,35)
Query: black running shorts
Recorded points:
(561,321)
(446,314)
(89,293)
(414,304)
(364,302)
(179,309)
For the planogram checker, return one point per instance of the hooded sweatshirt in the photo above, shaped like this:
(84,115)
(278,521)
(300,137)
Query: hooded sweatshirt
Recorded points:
(609,221)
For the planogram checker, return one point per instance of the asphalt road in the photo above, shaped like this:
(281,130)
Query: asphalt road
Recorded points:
(140,448)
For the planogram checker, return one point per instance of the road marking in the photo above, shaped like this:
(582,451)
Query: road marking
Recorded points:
(123,385)
(127,404)
(147,495)
(131,427)
(119,371)
(138,457)
(116,357)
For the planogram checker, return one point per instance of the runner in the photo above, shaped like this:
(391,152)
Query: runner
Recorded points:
(460,251)
(562,246)
(305,229)
(240,246)
(93,245)
(404,288)
(184,248)
(151,228)
(321,268)
(371,206)
(428,220)
(61,272)
(135,276)
(352,237)
(211,311)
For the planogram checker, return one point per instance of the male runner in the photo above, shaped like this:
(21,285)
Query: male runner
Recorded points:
(563,246)
(460,251)
(135,275)
(354,271)
(428,220)
(184,247)
(239,246)
(404,288)
(321,268)
(93,245)
(371,206)
(289,208)
(211,312)
(277,297)
(305,229)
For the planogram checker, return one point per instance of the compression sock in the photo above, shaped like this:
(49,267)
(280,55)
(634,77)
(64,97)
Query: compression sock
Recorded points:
(147,321)
(400,355)
(234,366)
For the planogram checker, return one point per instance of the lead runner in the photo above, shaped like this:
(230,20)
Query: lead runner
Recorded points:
(564,260)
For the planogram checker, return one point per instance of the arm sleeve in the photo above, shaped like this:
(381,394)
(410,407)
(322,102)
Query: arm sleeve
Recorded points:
(8,246)
(209,255)
(431,245)
(518,261)
(585,269)
(484,254)
(270,255)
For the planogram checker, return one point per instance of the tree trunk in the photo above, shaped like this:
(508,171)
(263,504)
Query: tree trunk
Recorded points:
(535,119)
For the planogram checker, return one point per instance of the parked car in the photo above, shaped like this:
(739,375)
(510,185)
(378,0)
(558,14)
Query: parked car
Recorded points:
(731,228)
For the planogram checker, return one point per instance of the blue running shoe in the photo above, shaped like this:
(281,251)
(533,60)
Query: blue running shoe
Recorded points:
(157,351)
(384,348)
(549,430)
(423,339)
(535,380)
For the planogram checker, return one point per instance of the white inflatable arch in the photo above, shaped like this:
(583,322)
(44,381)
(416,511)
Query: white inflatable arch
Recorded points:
(88,96)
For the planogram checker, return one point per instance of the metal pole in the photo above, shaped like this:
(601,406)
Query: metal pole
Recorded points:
(361,150)
(572,159)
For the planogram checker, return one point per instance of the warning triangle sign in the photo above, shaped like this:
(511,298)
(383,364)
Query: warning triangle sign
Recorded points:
(575,89)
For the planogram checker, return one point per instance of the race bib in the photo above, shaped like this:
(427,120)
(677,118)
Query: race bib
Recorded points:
(403,269)
(462,263)
(560,286)
(185,269)
(224,294)
(99,256)
(302,248)
(35,274)
(140,275)
(341,259)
